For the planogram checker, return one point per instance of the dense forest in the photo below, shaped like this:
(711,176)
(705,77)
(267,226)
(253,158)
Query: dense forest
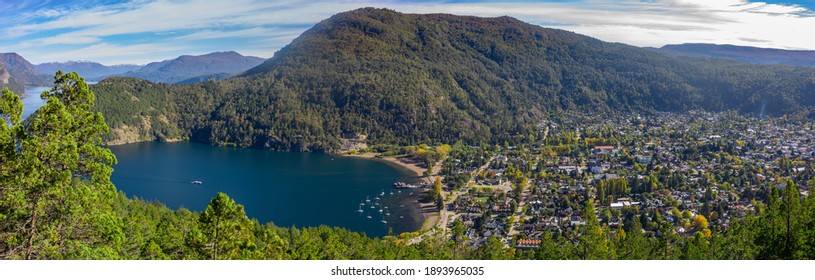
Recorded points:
(57,202)
(408,79)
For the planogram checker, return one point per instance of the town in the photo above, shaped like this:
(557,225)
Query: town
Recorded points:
(666,173)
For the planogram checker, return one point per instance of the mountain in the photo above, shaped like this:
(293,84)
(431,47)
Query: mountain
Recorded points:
(91,71)
(6,81)
(189,66)
(744,54)
(22,71)
(436,78)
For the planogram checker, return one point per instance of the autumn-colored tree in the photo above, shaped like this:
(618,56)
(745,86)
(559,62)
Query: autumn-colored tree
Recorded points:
(437,186)
(700,222)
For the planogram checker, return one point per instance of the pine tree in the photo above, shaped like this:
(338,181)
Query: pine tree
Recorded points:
(790,208)
(55,192)
(225,231)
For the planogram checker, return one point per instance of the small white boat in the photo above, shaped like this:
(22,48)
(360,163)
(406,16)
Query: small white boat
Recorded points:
(196,182)
(367,199)
(372,207)
(369,216)
(384,222)
(380,211)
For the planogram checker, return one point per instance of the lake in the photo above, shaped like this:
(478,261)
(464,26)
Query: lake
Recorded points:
(32,100)
(287,188)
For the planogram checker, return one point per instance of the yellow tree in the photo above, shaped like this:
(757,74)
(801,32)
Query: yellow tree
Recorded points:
(700,222)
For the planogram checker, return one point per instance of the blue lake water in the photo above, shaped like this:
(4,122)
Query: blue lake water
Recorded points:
(287,188)
(32,101)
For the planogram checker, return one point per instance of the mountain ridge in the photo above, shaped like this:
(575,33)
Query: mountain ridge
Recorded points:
(90,70)
(409,79)
(191,66)
(7,81)
(746,54)
(21,73)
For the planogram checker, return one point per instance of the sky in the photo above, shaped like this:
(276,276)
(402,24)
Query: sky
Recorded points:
(142,31)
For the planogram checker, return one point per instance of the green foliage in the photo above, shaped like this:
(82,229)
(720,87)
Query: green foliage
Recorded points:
(55,189)
(410,79)
(224,231)
(401,79)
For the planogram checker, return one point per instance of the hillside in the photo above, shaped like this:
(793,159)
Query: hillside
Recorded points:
(190,66)
(91,71)
(204,78)
(6,81)
(22,72)
(741,53)
(407,79)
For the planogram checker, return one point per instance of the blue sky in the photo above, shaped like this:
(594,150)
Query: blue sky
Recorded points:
(141,31)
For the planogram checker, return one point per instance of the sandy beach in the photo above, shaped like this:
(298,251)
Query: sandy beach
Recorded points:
(414,167)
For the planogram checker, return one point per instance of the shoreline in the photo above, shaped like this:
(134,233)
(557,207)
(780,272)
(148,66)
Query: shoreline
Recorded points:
(429,217)
(417,170)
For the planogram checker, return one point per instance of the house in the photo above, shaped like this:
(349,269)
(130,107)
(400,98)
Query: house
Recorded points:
(602,150)
(605,176)
(570,169)
(644,159)
(576,221)
(622,202)
(598,168)
(526,244)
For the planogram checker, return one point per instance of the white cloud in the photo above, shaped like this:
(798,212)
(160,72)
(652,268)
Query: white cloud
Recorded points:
(61,39)
(658,23)
(115,54)
(254,32)
(264,26)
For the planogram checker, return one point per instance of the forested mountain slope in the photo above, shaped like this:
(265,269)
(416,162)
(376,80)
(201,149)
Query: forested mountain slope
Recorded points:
(406,79)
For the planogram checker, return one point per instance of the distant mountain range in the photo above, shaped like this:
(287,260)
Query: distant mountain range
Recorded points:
(216,65)
(91,71)
(183,69)
(744,54)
